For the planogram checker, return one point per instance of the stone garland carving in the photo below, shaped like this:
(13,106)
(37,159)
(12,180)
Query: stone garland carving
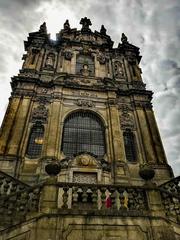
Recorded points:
(40,114)
(118,69)
(85,103)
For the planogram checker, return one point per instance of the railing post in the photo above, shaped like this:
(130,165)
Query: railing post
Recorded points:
(49,196)
(155,202)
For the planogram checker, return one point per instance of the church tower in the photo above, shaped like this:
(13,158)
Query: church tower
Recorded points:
(80,152)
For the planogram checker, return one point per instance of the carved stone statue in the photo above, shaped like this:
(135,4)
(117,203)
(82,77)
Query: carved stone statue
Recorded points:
(118,70)
(50,60)
(103,30)
(67,25)
(43,28)
(85,22)
(124,39)
(101,58)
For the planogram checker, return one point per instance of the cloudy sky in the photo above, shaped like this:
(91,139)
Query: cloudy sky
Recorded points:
(152,25)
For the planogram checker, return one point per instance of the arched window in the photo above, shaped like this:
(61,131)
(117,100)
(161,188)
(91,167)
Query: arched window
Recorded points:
(83,132)
(85,65)
(129,143)
(35,142)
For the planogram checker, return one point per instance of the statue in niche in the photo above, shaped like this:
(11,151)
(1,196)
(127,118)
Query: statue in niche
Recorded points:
(50,61)
(118,70)
(68,55)
(85,71)
(67,25)
(101,58)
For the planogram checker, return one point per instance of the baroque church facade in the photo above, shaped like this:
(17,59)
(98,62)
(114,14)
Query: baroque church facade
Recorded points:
(80,152)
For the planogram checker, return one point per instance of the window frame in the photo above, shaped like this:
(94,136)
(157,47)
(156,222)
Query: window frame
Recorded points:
(81,129)
(31,146)
(130,146)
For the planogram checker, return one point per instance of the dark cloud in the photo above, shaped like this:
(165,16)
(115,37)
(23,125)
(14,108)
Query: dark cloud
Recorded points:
(154,26)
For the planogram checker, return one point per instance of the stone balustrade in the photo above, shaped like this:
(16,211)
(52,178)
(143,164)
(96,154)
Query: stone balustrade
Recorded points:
(101,197)
(170,193)
(14,207)
(52,197)
(10,185)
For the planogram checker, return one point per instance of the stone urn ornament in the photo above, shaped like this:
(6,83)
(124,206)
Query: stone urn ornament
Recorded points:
(52,169)
(146,172)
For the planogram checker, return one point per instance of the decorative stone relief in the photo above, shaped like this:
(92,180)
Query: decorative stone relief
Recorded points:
(126,119)
(84,94)
(40,114)
(50,61)
(43,100)
(80,177)
(85,103)
(118,69)
(101,58)
(86,160)
(68,55)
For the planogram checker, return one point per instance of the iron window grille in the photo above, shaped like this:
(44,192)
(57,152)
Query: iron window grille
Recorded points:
(35,141)
(83,132)
(129,143)
(83,60)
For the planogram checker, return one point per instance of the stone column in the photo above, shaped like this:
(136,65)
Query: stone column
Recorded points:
(146,137)
(18,127)
(160,154)
(53,130)
(8,122)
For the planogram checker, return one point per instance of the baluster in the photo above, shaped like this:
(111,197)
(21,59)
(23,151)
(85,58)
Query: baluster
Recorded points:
(6,186)
(94,197)
(34,199)
(75,197)
(65,197)
(13,187)
(141,199)
(121,198)
(84,194)
(1,185)
(113,197)
(103,197)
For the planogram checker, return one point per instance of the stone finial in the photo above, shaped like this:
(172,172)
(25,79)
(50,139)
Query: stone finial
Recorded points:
(124,39)
(103,30)
(85,22)
(43,28)
(66,25)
